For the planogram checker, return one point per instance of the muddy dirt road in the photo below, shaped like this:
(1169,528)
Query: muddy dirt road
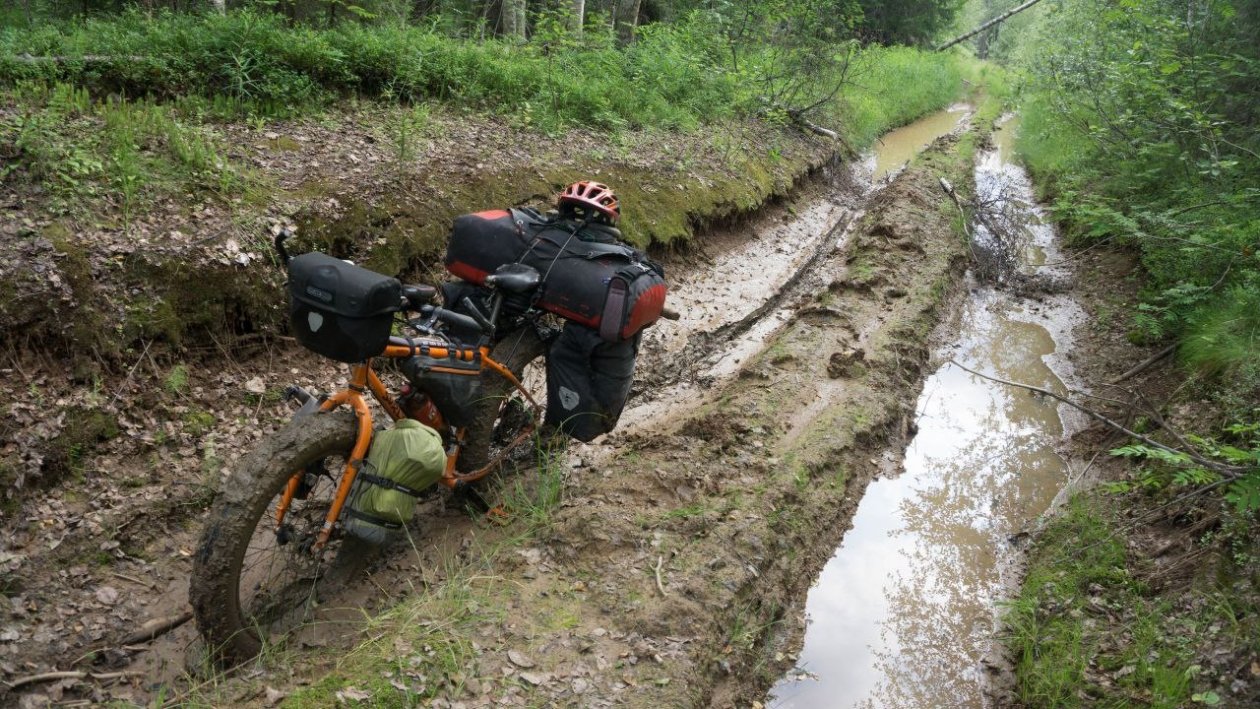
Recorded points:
(906,612)
(682,539)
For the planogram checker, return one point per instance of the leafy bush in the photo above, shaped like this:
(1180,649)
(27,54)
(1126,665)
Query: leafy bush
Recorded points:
(669,78)
(1140,119)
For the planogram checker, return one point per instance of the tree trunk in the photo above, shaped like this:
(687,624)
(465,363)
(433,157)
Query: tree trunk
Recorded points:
(995,21)
(512,19)
(219,6)
(578,18)
(627,18)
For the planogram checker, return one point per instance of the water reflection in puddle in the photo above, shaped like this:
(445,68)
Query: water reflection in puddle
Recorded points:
(904,613)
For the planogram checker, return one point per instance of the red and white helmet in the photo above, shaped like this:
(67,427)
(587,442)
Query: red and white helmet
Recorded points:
(592,195)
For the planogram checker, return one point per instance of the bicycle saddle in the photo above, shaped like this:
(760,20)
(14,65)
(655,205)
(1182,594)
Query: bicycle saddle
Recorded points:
(515,278)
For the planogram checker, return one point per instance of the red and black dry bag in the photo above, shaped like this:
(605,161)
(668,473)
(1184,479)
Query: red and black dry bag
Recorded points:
(604,285)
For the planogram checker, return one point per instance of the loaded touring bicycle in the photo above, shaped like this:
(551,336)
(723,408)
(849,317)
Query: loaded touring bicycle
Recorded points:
(299,515)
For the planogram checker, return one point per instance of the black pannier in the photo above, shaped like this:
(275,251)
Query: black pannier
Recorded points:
(588,381)
(339,310)
(453,383)
(597,282)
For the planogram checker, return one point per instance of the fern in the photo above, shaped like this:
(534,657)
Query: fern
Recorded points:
(1244,493)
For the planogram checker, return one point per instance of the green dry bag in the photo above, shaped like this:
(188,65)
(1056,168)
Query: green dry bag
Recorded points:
(402,461)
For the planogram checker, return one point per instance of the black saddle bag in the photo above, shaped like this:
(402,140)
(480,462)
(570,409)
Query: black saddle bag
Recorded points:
(605,285)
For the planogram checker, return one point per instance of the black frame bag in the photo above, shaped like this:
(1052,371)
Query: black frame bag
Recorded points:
(454,384)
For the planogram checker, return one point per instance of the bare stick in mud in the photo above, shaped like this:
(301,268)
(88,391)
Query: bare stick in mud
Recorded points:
(1145,364)
(659,586)
(155,627)
(69,674)
(1227,472)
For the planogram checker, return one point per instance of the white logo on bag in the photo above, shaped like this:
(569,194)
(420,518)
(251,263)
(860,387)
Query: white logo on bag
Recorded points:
(315,321)
(568,398)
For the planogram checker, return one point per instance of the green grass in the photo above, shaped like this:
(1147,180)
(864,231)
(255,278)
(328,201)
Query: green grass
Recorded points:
(124,152)
(1078,578)
(892,86)
(253,63)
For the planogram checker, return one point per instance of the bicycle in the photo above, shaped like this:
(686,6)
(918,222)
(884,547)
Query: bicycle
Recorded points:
(275,538)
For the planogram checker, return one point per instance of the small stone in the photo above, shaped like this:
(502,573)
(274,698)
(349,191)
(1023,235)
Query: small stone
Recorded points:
(520,659)
(107,595)
(536,678)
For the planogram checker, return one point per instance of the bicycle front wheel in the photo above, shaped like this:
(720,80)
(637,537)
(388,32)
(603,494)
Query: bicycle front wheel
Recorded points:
(252,584)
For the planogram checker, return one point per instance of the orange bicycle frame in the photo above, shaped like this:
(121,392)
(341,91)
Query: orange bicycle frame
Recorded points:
(364,379)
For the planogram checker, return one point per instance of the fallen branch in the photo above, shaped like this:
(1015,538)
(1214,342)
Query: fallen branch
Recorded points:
(659,586)
(89,58)
(69,674)
(997,20)
(1145,364)
(1227,472)
(155,627)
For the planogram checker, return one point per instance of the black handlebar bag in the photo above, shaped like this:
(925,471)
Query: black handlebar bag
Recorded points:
(339,310)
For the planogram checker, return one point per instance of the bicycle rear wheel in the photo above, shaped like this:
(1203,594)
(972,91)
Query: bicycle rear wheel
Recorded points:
(500,412)
(251,585)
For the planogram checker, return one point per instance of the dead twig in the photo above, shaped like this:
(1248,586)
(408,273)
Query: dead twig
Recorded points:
(132,579)
(659,585)
(155,627)
(1145,364)
(144,353)
(69,674)
(1228,472)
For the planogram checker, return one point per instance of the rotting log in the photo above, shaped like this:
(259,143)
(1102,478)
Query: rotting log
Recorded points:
(89,58)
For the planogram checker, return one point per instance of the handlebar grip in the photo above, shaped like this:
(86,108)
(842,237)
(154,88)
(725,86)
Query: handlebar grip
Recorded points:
(476,314)
(453,318)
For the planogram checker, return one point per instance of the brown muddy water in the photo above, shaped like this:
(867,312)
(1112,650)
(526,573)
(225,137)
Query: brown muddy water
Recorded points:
(898,147)
(905,612)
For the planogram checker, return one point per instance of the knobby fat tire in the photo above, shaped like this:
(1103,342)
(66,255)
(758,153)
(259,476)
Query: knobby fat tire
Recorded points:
(515,351)
(215,582)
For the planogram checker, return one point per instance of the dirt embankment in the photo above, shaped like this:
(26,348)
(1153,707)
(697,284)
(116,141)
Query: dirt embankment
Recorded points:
(91,297)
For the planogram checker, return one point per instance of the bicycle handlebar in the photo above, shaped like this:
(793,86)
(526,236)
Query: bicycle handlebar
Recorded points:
(452,318)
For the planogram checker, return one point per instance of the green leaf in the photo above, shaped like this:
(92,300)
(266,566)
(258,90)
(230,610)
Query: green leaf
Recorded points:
(1209,698)
(1245,493)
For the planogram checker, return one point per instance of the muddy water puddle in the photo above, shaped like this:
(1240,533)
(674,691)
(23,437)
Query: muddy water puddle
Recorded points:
(898,147)
(905,612)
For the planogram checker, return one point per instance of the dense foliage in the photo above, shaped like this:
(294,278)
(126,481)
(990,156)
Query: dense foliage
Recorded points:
(1142,117)
(693,63)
